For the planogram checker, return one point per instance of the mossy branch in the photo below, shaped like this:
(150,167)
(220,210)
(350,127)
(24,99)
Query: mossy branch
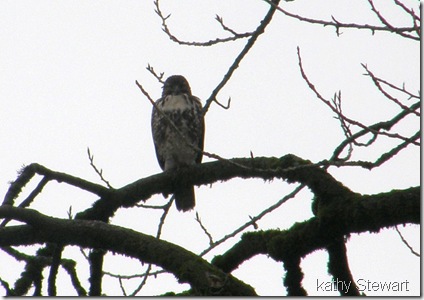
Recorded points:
(367,213)
(204,278)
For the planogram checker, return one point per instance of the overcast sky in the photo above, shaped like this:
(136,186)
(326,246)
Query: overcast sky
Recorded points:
(67,82)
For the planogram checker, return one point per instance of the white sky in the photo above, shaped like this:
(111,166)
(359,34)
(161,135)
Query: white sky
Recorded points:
(67,73)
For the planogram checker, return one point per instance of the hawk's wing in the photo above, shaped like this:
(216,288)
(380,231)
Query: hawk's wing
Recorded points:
(200,130)
(158,132)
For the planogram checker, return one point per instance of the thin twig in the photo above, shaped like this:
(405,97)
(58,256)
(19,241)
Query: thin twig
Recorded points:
(159,76)
(143,282)
(164,215)
(337,101)
(409,11)
(406,243)
(158,234)
(204,229)
(337,24)
(235,36)
(83,253)
(377,82)
(155,273)
(220,20)
(387,23)
(378,162)
(99,172)
(377,126)
(253,220)
(227,106)
(254,36)
(121,285)
(334,109)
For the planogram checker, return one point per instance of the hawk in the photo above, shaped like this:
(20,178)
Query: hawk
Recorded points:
(178,148)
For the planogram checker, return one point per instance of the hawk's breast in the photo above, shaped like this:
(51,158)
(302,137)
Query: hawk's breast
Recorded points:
(176,103)
(175,148)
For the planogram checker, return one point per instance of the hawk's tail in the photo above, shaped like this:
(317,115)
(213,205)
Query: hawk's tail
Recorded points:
(184,198)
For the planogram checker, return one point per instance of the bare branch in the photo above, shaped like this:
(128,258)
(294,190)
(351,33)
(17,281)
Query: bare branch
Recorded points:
(227,106)
(158,234)
(337,24)
(377,126)
(377,81)
(124,292)
(378,162)
(143,281)
(406,243)
(99,172)
(253,220)
(159,76)
(390,26)
(374,130)
(163,217)
(155,273)
(211,242)
(409,11)
(259,30)
(416,19)
(235,36)
(220,20)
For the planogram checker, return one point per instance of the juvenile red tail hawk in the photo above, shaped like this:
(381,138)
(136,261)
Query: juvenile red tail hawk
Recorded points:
(175,149)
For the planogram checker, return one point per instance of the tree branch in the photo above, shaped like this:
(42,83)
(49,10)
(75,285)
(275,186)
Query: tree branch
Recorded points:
(337,24)
(56,258)
(356,214)
(258,31)
(288,167)
(95,258)
(26,174)
(406,243)
(293,278)
(235,36)
(338,267)
(186,266)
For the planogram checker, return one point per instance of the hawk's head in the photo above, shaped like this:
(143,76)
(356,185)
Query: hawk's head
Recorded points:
(176,85)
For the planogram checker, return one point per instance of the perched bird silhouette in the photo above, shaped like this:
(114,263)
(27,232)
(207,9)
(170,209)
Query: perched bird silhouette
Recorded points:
(178,148)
